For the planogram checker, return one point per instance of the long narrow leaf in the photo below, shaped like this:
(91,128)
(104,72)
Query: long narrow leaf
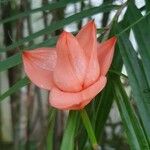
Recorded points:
(19,84)
(135,134)
(69,135)
(47,7)
(142,35)
(59,24)
(136,78)
(10,62)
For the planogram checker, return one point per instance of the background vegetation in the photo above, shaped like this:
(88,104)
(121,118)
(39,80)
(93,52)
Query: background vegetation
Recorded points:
(120,114)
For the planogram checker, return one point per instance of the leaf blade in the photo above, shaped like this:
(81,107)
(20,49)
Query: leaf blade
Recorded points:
(136,136)
(69,134)
(19,84)
(136,78)
(61,23)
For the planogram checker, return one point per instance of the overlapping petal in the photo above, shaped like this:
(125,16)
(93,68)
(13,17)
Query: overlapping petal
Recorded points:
(39,65)
(76,100)
(71,64)
(74,71)
(105,54)
(88,41)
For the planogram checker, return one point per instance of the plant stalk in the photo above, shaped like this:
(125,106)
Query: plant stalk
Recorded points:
(89,129)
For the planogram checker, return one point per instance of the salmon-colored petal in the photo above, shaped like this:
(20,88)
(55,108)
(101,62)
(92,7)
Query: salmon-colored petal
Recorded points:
(88,41)
(87,37)
(39,65)
(79,106)
(105,54)
(77,100)
(71,64)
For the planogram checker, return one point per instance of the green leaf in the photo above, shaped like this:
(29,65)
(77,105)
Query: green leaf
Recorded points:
(142,35)
(51,125)
(10,62)
(19,84)
(70,131)
(135,134)
(147,5)
(136,78)
(46,43)
(88,126)
(46,7)
(103,109)
(128,27)
(61,23)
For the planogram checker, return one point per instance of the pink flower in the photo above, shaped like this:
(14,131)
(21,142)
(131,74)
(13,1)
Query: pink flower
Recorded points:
(74,71)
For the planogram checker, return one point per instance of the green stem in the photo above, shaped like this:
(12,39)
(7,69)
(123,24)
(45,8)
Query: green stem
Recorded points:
(89,129)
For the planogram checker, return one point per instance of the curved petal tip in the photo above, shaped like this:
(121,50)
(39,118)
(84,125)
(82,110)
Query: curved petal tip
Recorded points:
(113,39)
(105,52)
